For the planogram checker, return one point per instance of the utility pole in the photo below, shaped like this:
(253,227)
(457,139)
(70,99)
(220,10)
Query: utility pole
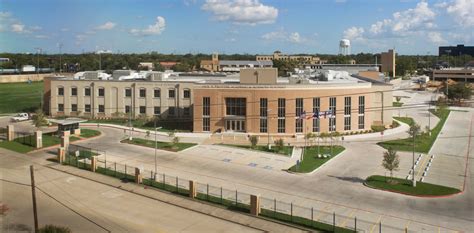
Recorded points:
(33,194)
(38,51)
(60,60)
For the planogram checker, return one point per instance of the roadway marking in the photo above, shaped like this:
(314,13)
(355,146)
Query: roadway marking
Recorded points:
(343,224)
(375,224)
(421,166)
(322,212)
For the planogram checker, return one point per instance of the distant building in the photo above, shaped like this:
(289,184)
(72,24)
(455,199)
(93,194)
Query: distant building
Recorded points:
(277,55)
(148,65)
(456,50)
(215,65)
(457,74)
(388,63)
(168,65)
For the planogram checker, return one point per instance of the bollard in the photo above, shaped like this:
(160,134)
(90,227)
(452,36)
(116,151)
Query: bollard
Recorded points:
(61,155)
(192,189)
(138,176)
(254,205)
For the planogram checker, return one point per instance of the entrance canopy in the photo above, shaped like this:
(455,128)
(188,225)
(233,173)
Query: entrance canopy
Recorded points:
(67,124)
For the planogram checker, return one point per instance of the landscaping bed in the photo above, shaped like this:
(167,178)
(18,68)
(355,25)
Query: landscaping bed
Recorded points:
(286,150)
(166,126)
(311,161)
(405,186)
(159,145)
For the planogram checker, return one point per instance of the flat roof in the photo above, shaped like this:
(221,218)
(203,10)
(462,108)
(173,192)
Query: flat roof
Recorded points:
(243,63)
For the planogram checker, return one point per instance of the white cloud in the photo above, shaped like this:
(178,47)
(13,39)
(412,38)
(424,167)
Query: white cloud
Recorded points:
(249,12)
(19,28)
(282,35)
(354,33)
(5,14)
(41,37)
(106,26)
(417,18)
(36,28)
(64,29)
(462,12)
(189,2)
(154,29)
(441,4)
(436,38)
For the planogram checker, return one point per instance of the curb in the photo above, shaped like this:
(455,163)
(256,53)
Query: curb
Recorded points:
(413,195)
(54,146)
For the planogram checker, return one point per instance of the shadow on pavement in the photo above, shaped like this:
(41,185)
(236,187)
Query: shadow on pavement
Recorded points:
(350,179)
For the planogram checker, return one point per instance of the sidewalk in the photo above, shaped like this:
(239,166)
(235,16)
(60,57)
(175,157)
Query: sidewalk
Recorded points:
(182,202)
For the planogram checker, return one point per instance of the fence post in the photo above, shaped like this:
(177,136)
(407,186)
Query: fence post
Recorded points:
(274,207)
(115,169)
(93,163)
(254,205)
(164,181)
(125,171)
(10,132)
(236,196)
(291,211)
(192,189)
(221,196)
(177,189)
(355,224)
(138,176)
(39,139)
(312,219)
(207,192)
(380,227)
(333,221)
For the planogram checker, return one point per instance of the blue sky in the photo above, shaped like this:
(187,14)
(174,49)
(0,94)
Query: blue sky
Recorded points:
(234,26)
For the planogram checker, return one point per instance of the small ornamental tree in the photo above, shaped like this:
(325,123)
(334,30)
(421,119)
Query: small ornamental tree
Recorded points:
(253,141)
(391,161)
(175,142)
(39,119)
(279,144)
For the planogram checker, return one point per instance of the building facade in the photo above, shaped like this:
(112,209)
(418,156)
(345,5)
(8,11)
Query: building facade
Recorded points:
(258,102)
(388,63)
(277,55)
(463,75)
(456,50)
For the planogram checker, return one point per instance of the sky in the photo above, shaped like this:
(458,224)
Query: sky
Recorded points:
(234,26)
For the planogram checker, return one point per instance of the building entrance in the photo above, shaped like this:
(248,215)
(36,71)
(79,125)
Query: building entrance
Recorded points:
(235,125)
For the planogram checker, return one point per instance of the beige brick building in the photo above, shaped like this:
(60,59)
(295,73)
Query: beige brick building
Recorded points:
(257,102)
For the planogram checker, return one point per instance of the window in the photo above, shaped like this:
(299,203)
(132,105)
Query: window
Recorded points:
(332,116)
(281,115)
(299,111)
(235,106)
(87,91)
(128,108)
(187,94)
(128,92)
(142,92)
(361,117)
(206,114)
(60,107)
(73,107)
(101,91)
(316,109)
(73,91)
(101,108)
(87,108)
(186,111)
(172,111)
(347,113)
(61,91)
(157,93)
(263,115)
(171,93)
(157,110)
(142,109)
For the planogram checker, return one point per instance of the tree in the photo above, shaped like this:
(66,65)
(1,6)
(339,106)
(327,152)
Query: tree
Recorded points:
(147,134)
(175,141)
(398,98)
(391,161)
(253,141)
(458,91)
(39,119)
(279,144)
(414,130)
(54,229)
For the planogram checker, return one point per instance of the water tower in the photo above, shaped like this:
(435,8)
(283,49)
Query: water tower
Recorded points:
(345,47)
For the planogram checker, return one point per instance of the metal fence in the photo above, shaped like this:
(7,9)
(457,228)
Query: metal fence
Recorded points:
(3,133)
(304,215)
(25,138)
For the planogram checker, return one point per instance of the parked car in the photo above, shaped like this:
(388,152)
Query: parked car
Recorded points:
(21,117)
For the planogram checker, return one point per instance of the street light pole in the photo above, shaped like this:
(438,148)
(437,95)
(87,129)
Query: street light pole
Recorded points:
(413,174)
(156,145)
(60,58)
(38,51)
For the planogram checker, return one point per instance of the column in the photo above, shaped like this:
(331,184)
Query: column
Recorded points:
(254,205)
(61,155)
(10,132)
(39,139)
(138,176)
(192,189)
(93,163)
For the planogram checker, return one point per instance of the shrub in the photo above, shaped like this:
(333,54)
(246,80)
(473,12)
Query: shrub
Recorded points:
(253,141)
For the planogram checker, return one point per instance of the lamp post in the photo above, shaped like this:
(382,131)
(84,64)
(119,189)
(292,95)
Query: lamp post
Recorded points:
(156,145)
(413,174)
(38,51)
(268,129)
(60,45)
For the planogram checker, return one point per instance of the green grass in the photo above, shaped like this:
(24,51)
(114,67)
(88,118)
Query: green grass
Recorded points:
(287,150)
(159,145)
(28,143)
(423,142)
(166,126)
(397,104)
(405,186)
(88,133)
(406,120)
(20,97)
(310,158)
(16,146)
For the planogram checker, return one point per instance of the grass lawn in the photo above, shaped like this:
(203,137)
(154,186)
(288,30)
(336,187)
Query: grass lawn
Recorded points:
(20,97)
(88,133)
(140,124)
(405,186)
(311,160)
(160,145)
(16,146)
(423,142)
(287,150)
(28,143)
(406,120)
(397,104)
